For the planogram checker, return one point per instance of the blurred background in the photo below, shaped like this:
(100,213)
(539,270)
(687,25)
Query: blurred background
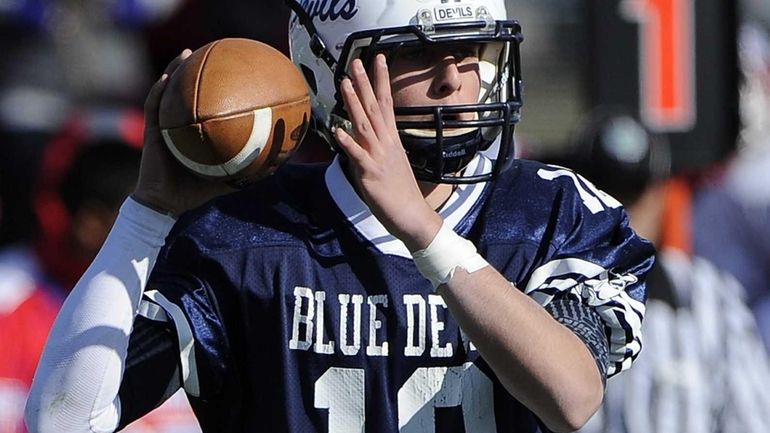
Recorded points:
(693,75)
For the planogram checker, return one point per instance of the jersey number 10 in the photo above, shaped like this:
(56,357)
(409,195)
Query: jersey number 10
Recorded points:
(342,392)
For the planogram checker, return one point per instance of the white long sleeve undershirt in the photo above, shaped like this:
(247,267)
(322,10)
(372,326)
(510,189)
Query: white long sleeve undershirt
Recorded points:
(78,378)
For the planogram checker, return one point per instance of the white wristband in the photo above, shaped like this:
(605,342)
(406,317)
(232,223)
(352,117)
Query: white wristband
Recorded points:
(446,252)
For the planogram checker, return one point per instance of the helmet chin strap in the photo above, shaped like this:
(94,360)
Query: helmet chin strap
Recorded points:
(431,162)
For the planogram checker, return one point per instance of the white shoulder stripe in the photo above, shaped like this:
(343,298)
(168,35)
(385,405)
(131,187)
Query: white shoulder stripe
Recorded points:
(152,311)
(186,341)
(562,267)
(602,290)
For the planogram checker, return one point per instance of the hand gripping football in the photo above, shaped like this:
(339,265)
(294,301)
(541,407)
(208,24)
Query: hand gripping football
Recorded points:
(234,110)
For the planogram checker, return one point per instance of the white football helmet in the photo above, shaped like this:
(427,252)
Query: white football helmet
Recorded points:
(325,36)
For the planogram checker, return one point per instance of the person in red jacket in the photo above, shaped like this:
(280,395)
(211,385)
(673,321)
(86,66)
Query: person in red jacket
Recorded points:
(86,172)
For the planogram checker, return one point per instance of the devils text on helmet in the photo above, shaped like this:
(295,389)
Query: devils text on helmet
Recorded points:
(330,9)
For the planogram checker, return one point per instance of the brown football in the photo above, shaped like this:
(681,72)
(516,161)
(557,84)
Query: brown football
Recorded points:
(234,110)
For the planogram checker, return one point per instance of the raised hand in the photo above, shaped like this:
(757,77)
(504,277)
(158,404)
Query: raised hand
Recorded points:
(164,184)
(378,162)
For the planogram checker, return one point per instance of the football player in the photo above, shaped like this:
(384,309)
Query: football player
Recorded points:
(424,280)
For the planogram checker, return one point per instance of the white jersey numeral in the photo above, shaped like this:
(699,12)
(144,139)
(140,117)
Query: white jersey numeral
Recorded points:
(432,387)
(593,198)
(342,392)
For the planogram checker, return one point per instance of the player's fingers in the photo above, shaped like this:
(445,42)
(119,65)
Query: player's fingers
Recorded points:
(152,102)
(171,67)
(351,148)
(383,91)
(363,87)
(363,130)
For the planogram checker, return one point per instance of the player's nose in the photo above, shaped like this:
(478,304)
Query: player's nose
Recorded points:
(447,79)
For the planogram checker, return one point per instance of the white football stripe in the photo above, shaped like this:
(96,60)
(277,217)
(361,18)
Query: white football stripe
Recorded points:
(261,128)
(260,133)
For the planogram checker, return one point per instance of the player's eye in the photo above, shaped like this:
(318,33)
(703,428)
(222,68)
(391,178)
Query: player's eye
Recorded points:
(413,58)
(414,54)
(465,51)
(425,56)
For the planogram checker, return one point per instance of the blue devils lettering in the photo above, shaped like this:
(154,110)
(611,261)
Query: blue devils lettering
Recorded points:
(350,324)
(331,10)
(454,12)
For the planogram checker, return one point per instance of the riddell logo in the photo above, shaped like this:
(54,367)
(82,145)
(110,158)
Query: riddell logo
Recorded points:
(330,10)
(455,153)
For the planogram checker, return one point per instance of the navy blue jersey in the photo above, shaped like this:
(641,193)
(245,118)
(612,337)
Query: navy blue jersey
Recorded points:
(295,311)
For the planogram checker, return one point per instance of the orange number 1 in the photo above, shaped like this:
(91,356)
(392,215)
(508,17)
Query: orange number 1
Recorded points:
(666,61)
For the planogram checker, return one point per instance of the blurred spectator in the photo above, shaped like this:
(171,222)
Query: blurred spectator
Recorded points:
(58,54)
(731,217)
(61,53)
(85,174)
(26,314)
(33,100)
(702,367)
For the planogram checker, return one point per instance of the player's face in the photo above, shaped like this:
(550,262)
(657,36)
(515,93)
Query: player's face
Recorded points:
(445,74)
